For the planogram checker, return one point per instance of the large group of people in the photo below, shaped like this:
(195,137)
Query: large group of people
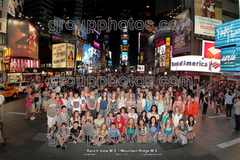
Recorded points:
(136,115)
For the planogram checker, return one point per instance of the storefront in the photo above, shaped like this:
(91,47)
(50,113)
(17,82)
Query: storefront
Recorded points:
(23,70)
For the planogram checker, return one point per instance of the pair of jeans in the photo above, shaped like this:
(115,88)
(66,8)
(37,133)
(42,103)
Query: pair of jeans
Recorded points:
(237,121)
(69,111)
(103,112)
(229,110)
(218,106)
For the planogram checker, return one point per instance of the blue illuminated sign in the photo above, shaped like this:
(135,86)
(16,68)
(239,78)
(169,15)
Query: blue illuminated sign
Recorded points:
(124,41)
(227,38)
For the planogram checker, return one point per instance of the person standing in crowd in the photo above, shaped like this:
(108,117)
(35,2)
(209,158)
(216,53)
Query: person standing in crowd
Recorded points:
(191,124)
(86,91)
(92,103)
(228,104)
(137,94)
(205,104)
(191,107)
(149,101)
(103,104)
(237,113)
(2,101)
(83,103)
(51,110)
(57,89)
(201,97)
(62,117)
(86,117)
(64,99)
(76,132)
(141,102)
(156,97)
(98,121)
(132,114)
(114,134)
(143,116)
(60,102)
(118,92)
(113,102)
(160,104)
(130,102)
(168,101)
(219,103)
(44,95)
(32,109)
(164,116)
(39,102)
(75,117)
(69,104)
(179,102)
(122,100)
(146,90)
(96,93)
(176,116)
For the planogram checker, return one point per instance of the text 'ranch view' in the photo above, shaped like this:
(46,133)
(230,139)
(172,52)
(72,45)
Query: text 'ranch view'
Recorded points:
(120,79)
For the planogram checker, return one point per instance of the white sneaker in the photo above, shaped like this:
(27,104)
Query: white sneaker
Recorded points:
(51,132)
(48,136)
(33,118)
(229,117)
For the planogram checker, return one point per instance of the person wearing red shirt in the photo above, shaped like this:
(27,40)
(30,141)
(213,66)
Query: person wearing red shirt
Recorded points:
(60,103)
(191,107)
(120,123)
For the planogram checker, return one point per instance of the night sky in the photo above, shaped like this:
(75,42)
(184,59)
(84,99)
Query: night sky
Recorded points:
(114,9)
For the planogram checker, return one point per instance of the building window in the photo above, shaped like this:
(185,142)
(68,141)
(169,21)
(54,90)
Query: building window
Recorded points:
(2,39)
(48,65)
(42,65)
(1,3)
(0,26)
(0,14)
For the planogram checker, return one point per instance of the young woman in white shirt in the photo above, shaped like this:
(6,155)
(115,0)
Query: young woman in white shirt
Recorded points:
(176,116)
(141,102)
(122,100)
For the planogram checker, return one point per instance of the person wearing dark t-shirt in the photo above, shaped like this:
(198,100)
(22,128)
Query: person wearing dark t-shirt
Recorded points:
(76,132)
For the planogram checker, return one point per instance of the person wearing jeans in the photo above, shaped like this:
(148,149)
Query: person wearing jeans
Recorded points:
(237,114)
(229,104)
(103,105)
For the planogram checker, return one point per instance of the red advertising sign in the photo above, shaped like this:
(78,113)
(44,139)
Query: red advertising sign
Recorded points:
(24,63)
(159,43)
(22,39)
(209,50)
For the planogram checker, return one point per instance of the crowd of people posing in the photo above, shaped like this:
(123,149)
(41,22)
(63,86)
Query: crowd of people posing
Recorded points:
(115,116)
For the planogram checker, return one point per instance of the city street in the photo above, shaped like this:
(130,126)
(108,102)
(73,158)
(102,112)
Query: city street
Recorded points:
(26,139)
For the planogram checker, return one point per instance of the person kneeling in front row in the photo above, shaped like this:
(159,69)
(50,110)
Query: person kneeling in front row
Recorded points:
(62,135)
(87,130)
(182,131)
(113,134)
(76,132)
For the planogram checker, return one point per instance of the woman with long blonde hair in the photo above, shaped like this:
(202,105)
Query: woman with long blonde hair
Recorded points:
(168,101)
(130,102)
(130,129)
(168,130)
(122,100)
(149,101)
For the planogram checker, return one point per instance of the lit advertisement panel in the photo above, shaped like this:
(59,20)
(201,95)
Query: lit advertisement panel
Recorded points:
(22,39)
(87,51)
(227,37)
(209,51)
(59,55)
(160,56)
(124,56)
(124,41)
(208,14)
(194,63)
(181,34)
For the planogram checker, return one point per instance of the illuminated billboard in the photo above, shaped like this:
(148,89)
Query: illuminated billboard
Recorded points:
(124,41)
(208,14)
(22,39)
(124,56)
(160,56)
